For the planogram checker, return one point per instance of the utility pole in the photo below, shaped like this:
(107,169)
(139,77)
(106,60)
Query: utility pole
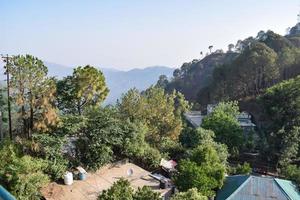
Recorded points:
(6,60)
(1,133)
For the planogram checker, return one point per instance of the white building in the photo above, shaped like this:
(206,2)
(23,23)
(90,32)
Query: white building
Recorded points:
(195,118)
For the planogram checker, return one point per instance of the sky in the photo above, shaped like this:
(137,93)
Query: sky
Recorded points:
(125,34)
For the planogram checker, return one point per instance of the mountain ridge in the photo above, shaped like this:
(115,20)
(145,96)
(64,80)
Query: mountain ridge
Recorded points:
(118,81)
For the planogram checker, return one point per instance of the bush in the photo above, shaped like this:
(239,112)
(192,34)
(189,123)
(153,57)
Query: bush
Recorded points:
(204,170)
(191,138)
(121,190)
(22,175)
(203,177)
(191,194)
(146,193)
(243,169)
(171,148)
(94,155)
(292,172)
(223,122)
(51,149)
(149,159)
(107,137)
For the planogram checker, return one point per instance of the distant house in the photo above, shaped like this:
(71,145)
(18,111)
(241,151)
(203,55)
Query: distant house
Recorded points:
(194,118)
(257,188)
(244,119)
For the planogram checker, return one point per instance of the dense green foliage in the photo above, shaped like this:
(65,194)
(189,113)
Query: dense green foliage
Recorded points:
(292,172)
(247,69)
(121,190)
(205,168)
(3,110)
(195,75)
(50,148)
(225,125)
(191,194)
(282,109)
(103,134)
(33,94)
(21,174)
(146,193)
(159,111)
(107,137)
(245,168)
(86,87)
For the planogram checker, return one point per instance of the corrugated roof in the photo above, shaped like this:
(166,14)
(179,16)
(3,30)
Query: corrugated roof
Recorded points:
(289,188)
(257,188)
(194,117)
(232,183)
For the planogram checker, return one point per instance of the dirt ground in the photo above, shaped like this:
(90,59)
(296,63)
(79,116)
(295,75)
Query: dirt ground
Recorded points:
(102,179)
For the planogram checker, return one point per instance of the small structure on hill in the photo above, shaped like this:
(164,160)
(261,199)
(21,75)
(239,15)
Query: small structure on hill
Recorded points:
(244,119)
(257,188)
(195,118)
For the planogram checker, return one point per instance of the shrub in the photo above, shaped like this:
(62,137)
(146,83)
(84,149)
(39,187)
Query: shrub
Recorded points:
(243,169)
(191,138)
(172,148)
(292,172)
(106,137)
(150,158)
(22,175)
(51,149)
(146,193)
(204,170)
(191,194)
(203,177)
(121,190)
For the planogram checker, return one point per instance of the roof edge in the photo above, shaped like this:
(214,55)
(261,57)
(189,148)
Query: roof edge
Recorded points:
(284,192)
(239,188)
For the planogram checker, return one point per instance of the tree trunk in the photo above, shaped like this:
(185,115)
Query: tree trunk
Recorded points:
(25,129)
(31,116)
(78,108)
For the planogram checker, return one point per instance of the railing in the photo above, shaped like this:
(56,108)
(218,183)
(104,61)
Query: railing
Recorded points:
(5,195)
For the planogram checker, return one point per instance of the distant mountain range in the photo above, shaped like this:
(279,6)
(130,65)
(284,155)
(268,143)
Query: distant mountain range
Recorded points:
(117,81)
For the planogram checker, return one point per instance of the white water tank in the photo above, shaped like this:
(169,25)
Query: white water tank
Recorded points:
(68,178)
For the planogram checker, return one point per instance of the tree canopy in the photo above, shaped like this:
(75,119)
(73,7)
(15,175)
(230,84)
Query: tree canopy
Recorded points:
(121,190)
(161,112)
(86,87)
(191,194)
(223,122)
(205,166)
(33,94)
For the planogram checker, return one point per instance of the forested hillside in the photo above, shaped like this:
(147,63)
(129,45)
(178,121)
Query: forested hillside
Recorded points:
(262,74)
(246,69)
(195,75)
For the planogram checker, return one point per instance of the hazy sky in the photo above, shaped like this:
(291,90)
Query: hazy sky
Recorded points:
(134,33)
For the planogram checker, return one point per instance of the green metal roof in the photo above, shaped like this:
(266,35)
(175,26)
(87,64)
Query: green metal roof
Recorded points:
(289,188)
(244,187)
(231,184)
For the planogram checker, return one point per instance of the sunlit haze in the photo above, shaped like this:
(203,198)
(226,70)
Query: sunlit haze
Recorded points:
(135,34)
